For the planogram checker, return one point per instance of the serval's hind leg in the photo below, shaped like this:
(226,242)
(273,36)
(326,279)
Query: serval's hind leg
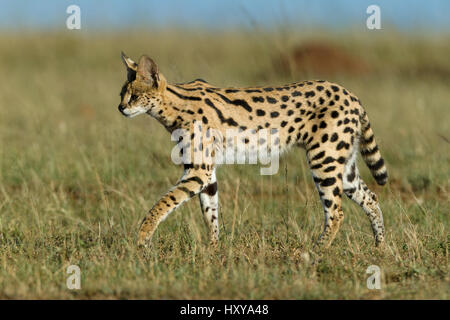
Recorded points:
(357,190)
(209,203)
(327,174)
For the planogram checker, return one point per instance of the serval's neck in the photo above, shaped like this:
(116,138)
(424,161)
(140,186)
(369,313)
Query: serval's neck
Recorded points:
(176,108)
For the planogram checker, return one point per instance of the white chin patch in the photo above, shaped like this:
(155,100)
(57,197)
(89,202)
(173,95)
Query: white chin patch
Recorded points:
(133,112)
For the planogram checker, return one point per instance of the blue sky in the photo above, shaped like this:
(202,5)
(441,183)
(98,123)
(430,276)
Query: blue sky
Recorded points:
(408,15)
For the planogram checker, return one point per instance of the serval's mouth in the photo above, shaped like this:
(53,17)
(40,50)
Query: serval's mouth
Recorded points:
(127,112)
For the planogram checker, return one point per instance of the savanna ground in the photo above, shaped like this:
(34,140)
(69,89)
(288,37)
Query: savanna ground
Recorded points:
(76,177)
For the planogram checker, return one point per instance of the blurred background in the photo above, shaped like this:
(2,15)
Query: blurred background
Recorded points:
(76,177)
(115,14)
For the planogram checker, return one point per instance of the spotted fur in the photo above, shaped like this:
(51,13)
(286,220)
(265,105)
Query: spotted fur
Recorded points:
(324,118)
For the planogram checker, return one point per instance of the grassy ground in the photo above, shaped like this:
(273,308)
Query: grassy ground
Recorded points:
(76,177)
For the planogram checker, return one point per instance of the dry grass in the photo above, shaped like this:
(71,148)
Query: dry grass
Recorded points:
(76,177)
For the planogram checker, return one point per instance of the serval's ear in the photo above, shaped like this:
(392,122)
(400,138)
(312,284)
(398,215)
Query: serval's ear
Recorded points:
(131,66)
(147,71)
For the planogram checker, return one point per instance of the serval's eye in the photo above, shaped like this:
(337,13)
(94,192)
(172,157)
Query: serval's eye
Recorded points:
(134,97)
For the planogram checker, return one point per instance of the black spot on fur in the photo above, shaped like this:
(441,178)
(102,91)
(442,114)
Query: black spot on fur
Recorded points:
(341,145)
(328,182)
(271,100)
(351,176)
(305,135)
(318,156)
(377,165)
(336,191)
(258,99)
(310,94)
(341,160)
(348,130)
(288,139)
(349,191)
(315,146)
(211,189)
(334,137)
(274,114)
(316,166)
(260,112)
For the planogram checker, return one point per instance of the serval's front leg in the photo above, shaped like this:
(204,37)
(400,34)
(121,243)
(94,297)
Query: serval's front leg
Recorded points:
(191,183)
(209,202)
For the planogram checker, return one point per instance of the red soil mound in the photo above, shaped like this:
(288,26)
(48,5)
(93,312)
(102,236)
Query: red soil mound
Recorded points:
(320,59)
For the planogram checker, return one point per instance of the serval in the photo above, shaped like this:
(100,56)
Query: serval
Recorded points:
(324,118)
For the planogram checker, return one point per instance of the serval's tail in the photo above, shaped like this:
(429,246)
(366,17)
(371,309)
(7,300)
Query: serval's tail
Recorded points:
(370,152)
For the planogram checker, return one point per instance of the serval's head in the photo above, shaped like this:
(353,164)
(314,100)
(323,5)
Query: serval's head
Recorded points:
(144,87)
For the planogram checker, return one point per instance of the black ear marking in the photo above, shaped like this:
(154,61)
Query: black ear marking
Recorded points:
(131,67)
(130,64)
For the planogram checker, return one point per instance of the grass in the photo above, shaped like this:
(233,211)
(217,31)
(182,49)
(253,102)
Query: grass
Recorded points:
(76,177)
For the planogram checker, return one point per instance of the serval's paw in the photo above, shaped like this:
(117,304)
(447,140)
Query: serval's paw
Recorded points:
(143,241)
